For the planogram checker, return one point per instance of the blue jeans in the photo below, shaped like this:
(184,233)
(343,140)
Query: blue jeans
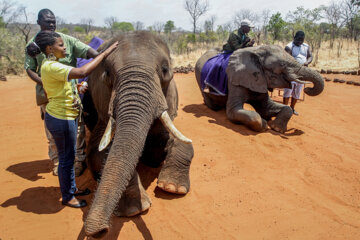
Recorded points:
(64,133)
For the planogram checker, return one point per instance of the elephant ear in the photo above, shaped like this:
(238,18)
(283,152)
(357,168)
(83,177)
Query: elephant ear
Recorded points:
(245,69)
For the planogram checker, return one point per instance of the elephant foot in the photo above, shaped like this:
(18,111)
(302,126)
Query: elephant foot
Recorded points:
(276,127)
(174,180)
(134,201)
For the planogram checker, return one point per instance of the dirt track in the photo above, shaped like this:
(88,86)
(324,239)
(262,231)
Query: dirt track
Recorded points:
(304,184)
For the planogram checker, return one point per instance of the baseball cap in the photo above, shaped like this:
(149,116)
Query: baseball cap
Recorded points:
(246,22)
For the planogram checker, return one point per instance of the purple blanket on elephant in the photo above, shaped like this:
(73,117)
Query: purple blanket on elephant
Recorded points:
(213,74)
(95,43)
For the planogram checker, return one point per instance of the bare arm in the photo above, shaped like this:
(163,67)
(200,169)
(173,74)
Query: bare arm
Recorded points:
(309,57)
(288,50)
(86,69)
(91,53)
(33,76)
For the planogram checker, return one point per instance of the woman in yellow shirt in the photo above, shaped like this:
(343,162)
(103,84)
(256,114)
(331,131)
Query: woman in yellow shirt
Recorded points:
(64,105)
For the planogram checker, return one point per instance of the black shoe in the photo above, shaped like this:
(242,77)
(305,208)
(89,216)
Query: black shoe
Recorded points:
(82,203)
(82,192)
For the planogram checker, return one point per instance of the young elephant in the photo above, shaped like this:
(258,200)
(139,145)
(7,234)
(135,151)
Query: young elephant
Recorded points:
(136,99)
(251,72)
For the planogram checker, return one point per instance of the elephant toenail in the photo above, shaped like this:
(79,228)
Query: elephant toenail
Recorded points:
(170,188)
(160,184)
(182,190)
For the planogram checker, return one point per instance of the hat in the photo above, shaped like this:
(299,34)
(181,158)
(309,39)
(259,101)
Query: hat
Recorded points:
(246,22)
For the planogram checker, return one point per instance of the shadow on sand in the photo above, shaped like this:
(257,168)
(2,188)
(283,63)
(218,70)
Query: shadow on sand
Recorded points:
(219,118)
(39,200)
(31,170)
(147,176)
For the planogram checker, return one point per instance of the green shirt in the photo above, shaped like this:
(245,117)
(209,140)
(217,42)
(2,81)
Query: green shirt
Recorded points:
(62,94)
(74,49)
(235,41)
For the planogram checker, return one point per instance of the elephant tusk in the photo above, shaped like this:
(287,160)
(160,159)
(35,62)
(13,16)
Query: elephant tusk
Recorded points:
(108,135)
(302,82)
(169,125)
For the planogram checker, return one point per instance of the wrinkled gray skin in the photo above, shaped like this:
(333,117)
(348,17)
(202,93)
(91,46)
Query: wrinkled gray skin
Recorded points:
(251,72)
(140,75)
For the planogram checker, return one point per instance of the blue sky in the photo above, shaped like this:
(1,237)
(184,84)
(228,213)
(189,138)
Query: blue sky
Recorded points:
(151,11)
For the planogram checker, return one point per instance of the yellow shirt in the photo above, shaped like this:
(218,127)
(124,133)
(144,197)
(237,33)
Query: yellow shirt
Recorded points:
(62,94)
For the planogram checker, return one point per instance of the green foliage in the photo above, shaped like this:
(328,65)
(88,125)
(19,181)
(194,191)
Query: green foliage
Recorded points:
(191,38)
(88,38)
(222,33)
(11,52)
(63,30)
(276,26)
(123,26)
(79,29)
(169,26)
(2,23)
(181,44)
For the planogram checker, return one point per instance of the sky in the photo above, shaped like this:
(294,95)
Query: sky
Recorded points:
(152,11)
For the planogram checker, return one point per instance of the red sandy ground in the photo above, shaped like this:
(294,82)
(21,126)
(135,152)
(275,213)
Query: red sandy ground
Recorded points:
(304,184)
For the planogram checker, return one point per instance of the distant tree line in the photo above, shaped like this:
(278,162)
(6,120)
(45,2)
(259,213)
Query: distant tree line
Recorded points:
(334,23)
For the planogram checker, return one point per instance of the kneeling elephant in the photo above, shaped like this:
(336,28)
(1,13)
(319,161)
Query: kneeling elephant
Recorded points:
(251,72)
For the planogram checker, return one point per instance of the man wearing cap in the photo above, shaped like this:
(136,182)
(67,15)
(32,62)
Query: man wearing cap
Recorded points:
(302,54)
(240,40)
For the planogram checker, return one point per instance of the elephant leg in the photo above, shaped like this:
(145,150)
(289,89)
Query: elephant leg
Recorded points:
(96,159)
(268,109)
(282,117)
(214,102)
(251,119)
(134,200)
(174,175)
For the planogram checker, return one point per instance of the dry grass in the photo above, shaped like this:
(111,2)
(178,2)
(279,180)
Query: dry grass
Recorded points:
(328,58)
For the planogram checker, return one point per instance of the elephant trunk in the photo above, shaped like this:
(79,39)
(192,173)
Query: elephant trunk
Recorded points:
(313,76)
(135,109)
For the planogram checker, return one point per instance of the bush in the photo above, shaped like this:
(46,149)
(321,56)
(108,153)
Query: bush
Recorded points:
(12,48)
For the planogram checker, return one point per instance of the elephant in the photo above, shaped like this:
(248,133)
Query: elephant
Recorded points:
(134,98)
(251,72)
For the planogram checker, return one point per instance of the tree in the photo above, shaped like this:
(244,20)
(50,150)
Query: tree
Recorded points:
(86,24)
(245,14)
(7,12)
(333,15)
(79,29)
(276,25)
(349,13)
(109,21)
(21,22)
(169,27)
(196,9)
(209,25)
(138,25)
(265,16)
(158,27)
(123,26)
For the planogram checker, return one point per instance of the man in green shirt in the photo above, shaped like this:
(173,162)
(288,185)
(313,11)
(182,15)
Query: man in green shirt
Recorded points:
(240,40)
(74,49)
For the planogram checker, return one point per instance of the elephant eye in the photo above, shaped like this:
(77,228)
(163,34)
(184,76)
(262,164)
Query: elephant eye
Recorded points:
(165,68)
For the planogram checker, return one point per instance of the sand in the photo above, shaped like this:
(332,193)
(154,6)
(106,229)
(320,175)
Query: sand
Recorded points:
(304,184)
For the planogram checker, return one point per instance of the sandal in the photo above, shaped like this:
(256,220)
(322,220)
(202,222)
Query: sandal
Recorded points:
(82,192)
(80,204)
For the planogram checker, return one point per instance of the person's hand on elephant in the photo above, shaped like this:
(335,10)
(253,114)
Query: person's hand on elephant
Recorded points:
(251,43)
(111,48)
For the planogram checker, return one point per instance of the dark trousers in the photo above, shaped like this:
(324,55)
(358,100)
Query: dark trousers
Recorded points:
(64,133)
